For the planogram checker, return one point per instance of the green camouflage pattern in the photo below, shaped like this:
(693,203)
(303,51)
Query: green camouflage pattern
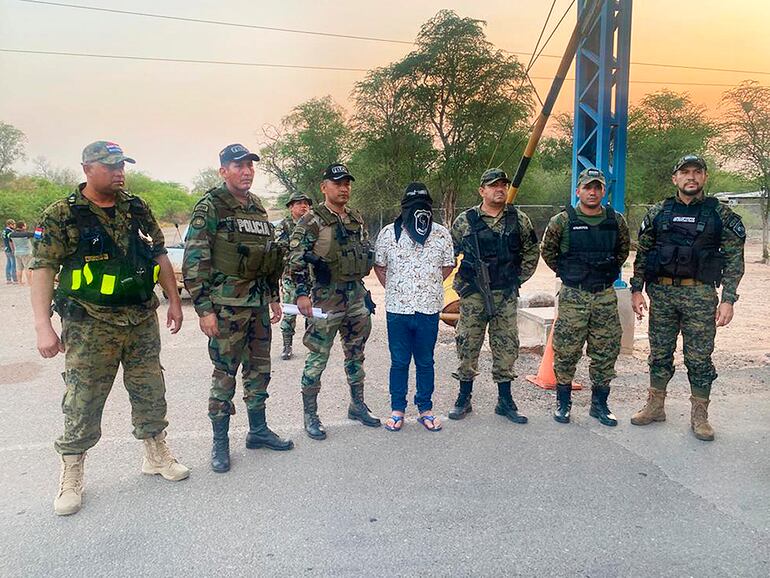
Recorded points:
(530,250)
(311,235)
(690,310)
(244,341)
(555,242)
(503,336)
(283,232)
(206,285)
(733,240)
(348,315)
(591,318)
(105,152)
(94,350)
(60,238)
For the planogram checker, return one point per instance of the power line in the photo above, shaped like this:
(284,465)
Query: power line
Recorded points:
(352,37)
(288,66)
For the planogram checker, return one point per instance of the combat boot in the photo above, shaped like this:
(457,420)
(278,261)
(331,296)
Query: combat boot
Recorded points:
(220,450)
(261,436)
(70,496)
(287,343)
(563,402)
(506,407)
(653,410)
(313,425)
(699,419)
(158,459)
(358,410)
(463,404)
(599,409)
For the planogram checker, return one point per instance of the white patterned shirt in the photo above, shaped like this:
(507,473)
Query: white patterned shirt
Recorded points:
(414,282)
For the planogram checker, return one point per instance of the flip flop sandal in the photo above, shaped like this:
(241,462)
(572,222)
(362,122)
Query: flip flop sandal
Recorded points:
(429,418)
(397,419)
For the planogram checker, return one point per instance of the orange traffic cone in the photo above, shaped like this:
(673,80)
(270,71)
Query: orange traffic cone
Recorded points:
(546,376)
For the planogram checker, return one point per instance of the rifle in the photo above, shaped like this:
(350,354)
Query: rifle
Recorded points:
(482,278)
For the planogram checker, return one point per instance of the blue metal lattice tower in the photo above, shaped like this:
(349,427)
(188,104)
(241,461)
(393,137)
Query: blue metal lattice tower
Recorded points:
(602,66)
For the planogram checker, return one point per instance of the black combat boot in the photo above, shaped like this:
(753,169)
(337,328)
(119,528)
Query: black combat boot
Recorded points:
(599,409)
(220,451)
(463,404)
(313,425)
(287,342)
(358,410)
(563,402)
(261,436)
(505,404)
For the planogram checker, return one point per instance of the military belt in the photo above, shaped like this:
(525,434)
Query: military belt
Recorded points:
(677,282)
(595,288)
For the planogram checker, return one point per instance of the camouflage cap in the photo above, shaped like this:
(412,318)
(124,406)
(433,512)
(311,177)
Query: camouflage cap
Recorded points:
(295,197)
(590,175)
(105,152)
(689,160)
(493,175)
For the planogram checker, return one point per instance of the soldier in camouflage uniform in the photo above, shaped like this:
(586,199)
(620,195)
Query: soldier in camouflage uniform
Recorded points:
(500,252)
(231,268)
(330,254)
(108,251)
(586,246)
(298,204)
(689,244)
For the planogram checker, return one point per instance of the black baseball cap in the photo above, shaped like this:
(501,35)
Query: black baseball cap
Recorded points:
(689,160)
(234,153)
(414,191)
(337,172)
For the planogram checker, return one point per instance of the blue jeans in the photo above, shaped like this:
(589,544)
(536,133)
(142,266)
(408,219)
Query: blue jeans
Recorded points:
(10,266)
(411,335)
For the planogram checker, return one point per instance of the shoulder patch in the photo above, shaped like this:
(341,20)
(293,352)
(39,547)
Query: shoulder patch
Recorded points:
(198,221)
(735,224)
(294,243)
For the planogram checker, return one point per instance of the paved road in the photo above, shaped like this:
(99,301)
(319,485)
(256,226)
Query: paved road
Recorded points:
(483,497)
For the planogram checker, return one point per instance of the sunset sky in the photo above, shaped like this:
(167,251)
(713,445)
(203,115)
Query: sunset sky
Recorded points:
(174,117)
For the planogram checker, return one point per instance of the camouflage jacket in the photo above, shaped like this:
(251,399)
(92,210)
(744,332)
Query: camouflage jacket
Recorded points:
(733,239)
(530,250)
(556,243)
(57,237)
(205,284)
(283,231)
(311,235)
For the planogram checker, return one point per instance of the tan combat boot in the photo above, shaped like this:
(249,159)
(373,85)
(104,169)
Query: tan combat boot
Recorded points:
(70,496)
(653,409)
(159,460)
(699,419)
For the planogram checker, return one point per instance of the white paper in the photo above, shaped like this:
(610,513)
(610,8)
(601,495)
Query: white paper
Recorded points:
(291,309)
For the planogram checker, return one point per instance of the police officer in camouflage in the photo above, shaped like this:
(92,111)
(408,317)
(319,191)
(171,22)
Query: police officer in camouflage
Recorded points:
(500,252)
(298,204)
(231,268)
(330,254)
(586,246)
(689,244)
(108,251)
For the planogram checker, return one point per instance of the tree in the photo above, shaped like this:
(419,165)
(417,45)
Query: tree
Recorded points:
(664,126)
(60,176)
(747,126)
(12,143)
(205,180)
(469,95)
(311,137)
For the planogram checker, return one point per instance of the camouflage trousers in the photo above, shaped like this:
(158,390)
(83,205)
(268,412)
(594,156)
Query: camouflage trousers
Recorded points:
(691,311)
(244,341)
(591,318)
(348,315)
(94,350)
(289,295)
(503,336)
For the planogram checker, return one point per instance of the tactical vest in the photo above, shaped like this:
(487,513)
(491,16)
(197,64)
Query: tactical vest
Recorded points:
(502,252)
(350,257)
(687,242)
(99,272)
(591,262)
(244,243)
